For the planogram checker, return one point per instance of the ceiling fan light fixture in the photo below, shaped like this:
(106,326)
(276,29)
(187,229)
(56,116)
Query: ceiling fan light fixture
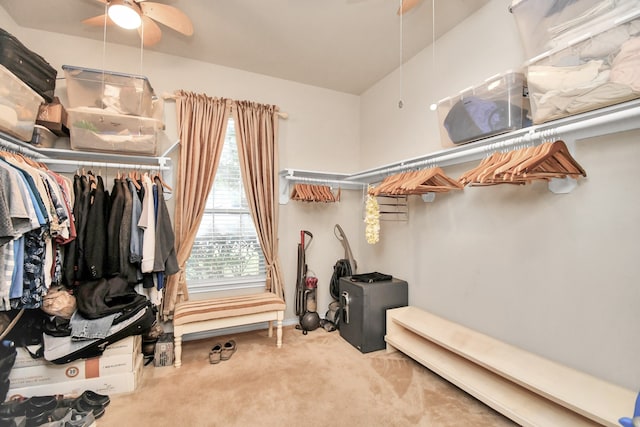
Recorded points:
(124,14)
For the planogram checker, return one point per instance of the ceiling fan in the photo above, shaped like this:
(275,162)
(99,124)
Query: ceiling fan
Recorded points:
(142,14)
(407,5)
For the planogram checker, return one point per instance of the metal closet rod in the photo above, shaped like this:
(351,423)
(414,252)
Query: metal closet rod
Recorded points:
(323,181)
(81,163)
(15,148)
(616,118)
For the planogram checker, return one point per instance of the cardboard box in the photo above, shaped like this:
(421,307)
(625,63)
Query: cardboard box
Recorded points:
(125,382)
(77,370)
(130,345)
(54,117)
(164,355)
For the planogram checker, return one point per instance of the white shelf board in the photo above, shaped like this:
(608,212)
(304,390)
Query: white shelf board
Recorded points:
(603,121)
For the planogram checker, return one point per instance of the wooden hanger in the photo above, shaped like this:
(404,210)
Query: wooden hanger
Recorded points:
(164,184)
(133,177)
(545,161)
(416,182)
(553,160)
(472,175)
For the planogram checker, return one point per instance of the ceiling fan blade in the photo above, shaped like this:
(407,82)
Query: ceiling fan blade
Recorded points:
(149,31)
(98,21)
(168,15)
(407,5)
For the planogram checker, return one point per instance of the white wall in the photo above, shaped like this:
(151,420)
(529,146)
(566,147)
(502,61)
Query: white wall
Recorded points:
(322,131)
(554,274)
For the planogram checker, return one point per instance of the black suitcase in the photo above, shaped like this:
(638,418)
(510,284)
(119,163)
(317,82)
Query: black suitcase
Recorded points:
(27,65)
(136,325)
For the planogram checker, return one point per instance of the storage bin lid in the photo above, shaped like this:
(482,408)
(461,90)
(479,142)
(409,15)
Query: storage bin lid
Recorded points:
(597,29)
(510,76)
(546,25)
(100,75)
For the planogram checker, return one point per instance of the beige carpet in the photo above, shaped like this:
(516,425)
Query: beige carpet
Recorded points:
(313,380)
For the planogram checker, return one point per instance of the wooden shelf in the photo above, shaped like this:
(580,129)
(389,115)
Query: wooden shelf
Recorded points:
(529,389)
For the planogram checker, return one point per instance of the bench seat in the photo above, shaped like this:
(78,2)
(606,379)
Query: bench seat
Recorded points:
(217,313)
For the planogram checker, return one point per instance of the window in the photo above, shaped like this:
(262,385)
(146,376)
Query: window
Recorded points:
(226,253)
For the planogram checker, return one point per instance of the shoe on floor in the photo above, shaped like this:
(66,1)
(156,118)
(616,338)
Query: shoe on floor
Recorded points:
(228,349)
(215,354)
(95,399)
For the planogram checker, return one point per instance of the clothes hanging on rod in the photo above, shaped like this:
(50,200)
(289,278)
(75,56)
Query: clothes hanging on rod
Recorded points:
(53,230)
(35,216)
(126,233)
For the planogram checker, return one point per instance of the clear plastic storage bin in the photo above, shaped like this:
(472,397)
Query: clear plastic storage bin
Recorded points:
(19,106)
(118,93)
(594,71)
(497,106)
(43,137)
(93,129)
(548,24)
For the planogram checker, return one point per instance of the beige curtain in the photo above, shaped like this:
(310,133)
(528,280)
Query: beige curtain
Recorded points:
(202,124)
(257,137)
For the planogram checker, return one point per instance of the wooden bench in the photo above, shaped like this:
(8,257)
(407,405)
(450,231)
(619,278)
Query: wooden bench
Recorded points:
(529,389)
(217,313)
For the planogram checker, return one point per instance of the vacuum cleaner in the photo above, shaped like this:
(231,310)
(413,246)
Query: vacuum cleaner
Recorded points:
(306,287)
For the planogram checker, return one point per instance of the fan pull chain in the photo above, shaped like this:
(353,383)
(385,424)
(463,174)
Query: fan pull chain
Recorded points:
(141,49)
(400,103)
(104,45)
(433,37)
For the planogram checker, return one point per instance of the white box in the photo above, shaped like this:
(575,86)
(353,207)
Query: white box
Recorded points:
(129,345)
(19,105)
(109,384)
(77,370)
(93,129)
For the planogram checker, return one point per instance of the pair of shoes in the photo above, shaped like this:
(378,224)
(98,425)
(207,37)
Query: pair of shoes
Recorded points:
(39,408)
(228,349)
(222,352)
(88,402)
(215,354)
(84,408)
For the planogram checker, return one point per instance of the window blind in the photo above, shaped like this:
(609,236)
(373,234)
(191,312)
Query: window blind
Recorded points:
(226,253)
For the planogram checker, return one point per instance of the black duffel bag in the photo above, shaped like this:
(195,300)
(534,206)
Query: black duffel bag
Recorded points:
(103,297)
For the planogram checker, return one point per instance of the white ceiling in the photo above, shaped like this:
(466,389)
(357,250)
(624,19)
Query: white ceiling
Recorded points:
(344,45)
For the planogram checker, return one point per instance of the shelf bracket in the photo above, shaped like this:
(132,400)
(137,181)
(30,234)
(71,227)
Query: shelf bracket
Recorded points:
(562,185)
(568,184)
(283,197)
(428,197)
